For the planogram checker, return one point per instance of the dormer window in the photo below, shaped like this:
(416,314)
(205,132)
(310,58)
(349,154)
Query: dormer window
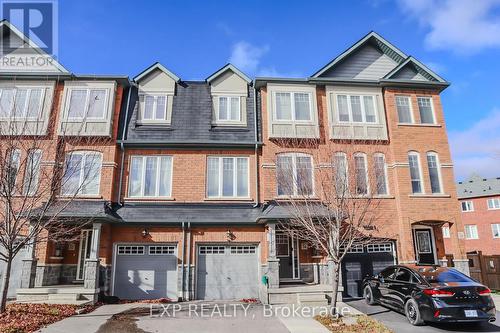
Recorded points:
(155,108)
(229,109)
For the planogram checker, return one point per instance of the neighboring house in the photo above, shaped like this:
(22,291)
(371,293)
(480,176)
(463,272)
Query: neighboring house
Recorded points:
(479,200)
(186,204)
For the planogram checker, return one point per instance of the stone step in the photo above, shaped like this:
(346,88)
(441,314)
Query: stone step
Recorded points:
(310,297)
(64,297)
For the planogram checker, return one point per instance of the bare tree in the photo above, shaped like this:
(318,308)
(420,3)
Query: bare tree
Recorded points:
(332,192)
(41,173)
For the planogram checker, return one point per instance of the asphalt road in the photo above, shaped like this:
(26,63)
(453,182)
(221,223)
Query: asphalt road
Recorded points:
(398,323)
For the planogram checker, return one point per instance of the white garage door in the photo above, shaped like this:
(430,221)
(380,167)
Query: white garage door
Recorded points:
(145,271)
(227,272)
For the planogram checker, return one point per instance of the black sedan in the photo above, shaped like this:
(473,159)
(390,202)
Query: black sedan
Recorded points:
(434,294)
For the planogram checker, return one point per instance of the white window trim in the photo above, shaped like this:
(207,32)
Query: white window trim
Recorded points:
(228,109)
(446,234)
(363,111)
(84,154)
(87,97)
(412,117)
(363,155)
(292,107)
(432,109)
(493,229)
(235,177)
(143,177)
(26,103)
(469,204)
(473,235)
(438,166)
(142,107)
(385,175)
(421,177)
(26,188)
(294,171)
(493,200)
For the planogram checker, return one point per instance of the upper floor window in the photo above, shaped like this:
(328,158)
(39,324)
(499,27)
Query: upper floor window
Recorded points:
(403,106)
(380,169)
(357,108)
(494,203)
(293,106)
(361,174)
(82,173)
(415,173)
(150,176)
(227,177)
(12,168)
(446,232)
(426,110)
(434,172)
(21,102)
(229,109)
(340,169)
(155,108)
(294,173)
(32,172)
(467,206)
(87,103)
(471,231)
(495,228)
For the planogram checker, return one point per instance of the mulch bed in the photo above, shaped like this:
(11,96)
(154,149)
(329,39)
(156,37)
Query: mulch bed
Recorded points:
(25,318)
(363,324)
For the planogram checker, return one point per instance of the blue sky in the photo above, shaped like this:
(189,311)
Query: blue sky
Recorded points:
(460,39)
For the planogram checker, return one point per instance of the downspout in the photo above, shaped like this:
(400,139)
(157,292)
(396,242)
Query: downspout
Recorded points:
(189,263)
(181,295)
(256,146)
(122,147)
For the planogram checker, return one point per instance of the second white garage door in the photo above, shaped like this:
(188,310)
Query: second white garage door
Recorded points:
(144,271)
(227,272)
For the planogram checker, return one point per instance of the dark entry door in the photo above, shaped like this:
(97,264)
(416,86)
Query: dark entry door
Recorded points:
(424,246)
(284,251)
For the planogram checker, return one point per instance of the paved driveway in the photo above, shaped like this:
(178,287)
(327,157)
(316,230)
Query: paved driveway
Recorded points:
(398,323)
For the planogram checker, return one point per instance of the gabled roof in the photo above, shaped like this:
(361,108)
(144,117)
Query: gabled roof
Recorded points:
(421,68)
(152,68)
(383,44)
(225,68)
(33,46)
(477,186)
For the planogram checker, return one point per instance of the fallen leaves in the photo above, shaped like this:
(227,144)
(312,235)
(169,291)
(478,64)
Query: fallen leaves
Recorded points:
(363,324)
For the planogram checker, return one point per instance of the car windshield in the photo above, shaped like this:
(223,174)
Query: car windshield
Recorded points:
(441,275)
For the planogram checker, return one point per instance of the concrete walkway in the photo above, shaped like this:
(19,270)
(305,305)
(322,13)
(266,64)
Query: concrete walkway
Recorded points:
(89,322)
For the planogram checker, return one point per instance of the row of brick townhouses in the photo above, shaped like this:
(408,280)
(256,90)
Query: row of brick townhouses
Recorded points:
(186,204)
(479,200)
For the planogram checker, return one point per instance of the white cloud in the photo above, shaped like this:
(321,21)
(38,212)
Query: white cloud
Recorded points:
(247,57)
(477,148)
(463,26)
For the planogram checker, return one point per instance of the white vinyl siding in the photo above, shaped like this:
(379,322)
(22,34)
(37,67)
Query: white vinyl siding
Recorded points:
(357,108)
(495,228)
(82,173)
(426,110)
(23,103)
(434,172)
(403,106)
(227,177)
(415,173)
(294,175)
(361,173)
(32,172)
(467,206)
(150,176)
(380,170)
(494,203)
(471,231)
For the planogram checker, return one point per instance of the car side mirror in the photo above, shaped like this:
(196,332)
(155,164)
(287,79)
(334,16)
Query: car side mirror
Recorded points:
(380,278)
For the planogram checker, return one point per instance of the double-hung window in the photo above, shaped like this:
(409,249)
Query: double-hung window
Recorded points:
(229,109)
(380,170)
(357,108)
(434,172)
(361,174)
(471,231)
(21,103)
(227,177)
(293,106)
(32,172)
(467,206)
(426,110)
(415,173)
(85,103)
(12,168)
(403,106)
(341,179)
(495,228)
(82,173)
(150,176)
(494,203)
(294,174)
(155,108)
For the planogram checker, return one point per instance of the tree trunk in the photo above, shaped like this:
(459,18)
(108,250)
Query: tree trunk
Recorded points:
(335,285)
(5,285)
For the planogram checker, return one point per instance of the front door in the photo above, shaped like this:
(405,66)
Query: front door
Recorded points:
(424,246)
(84,252)
(287,253)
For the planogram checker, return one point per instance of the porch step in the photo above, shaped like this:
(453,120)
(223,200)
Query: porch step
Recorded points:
(64,297)
(307,294)
(57,295)
(318,299)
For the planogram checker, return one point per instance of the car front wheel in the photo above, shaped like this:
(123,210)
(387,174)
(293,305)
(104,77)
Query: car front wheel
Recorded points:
(412,313)
(368,295)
